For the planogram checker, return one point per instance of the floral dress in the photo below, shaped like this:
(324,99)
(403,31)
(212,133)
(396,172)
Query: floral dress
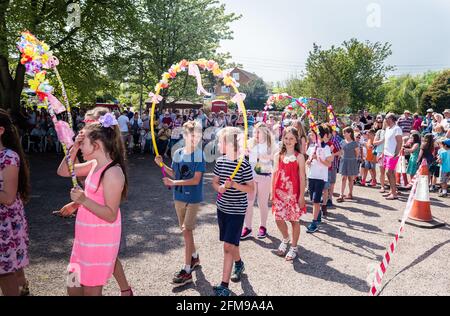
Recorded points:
(287,190)
(13,225)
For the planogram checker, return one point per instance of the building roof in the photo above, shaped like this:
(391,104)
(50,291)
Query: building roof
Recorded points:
(250,75)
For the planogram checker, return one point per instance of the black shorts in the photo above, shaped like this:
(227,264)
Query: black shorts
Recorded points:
(230,227)
(435,170)
(315,188)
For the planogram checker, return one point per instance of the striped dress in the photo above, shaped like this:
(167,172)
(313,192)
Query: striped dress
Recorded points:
(97,242)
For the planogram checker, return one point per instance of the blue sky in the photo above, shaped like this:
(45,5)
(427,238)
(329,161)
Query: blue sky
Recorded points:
(273,37)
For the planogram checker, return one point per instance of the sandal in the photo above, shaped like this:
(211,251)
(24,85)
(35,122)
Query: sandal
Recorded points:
(292,254)
(340,199)
(25,289)
(281,251)
(349,197)
(130,290)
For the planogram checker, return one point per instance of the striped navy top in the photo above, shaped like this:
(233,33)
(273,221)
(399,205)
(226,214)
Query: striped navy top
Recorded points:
(233,201)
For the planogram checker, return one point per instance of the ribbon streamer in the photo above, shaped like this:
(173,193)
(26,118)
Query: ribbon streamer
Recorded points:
(65,133)
(387,258)
(195,72)
(56,105)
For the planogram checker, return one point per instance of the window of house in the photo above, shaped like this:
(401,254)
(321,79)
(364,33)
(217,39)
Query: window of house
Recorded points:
(225,89)
(236,76)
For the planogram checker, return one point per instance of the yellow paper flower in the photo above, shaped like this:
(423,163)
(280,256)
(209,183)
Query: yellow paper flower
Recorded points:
(30,38)
(217,71)
(29,50)
(34,84)
(228,80)
(40,76)
(202,62)
(166,76)
(44,58)
(177,67)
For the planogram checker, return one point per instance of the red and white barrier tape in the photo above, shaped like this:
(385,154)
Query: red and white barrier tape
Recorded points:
(382,268)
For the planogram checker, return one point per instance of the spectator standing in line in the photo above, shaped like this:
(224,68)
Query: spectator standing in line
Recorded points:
(405,122)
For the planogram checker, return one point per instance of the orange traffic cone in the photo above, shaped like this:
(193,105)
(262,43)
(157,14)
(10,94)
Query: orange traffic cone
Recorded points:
(421,208)
(400,172)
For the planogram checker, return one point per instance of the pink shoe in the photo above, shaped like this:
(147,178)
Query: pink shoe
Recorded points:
(262,232)
(246,233)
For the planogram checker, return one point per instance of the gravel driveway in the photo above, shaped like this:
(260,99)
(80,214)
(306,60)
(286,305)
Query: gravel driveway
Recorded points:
(334,261)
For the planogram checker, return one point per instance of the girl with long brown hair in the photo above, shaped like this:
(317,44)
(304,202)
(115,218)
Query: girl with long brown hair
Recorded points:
(98,223)
(288,189)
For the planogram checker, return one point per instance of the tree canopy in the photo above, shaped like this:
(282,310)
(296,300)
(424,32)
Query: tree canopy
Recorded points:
(348,76)
(437,96)
(116,42)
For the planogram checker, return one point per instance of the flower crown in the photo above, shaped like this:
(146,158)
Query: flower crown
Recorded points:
(108,120)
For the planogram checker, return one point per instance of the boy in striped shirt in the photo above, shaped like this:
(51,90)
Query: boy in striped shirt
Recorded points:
(231,204)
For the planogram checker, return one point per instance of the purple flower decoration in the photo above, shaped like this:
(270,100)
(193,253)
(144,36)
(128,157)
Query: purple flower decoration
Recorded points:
(108,120)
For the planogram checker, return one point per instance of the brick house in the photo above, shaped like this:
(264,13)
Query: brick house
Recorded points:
(240,75)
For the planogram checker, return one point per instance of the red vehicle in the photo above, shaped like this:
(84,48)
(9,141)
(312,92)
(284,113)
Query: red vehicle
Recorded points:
(219,105)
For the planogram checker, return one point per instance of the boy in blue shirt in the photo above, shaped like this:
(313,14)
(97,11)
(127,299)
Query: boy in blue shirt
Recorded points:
(186,178)
(444,161)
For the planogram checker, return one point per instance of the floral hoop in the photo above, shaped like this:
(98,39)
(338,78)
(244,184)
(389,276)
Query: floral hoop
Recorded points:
(36,56)
(193,68)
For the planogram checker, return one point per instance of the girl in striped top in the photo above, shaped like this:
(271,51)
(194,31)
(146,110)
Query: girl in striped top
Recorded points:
(98,223)
(231,204)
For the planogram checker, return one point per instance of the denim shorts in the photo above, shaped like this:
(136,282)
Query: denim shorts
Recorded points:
(369,165)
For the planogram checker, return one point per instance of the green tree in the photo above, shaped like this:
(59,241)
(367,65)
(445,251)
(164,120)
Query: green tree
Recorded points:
(326,76)
(80,48)
(164,33)
(405,92)
(296,87)
(348,76)
(437,95)
(256,92)
(366,71)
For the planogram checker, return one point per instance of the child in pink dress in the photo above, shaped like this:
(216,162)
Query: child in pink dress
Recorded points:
(288,188)
(98,223)
(91,117)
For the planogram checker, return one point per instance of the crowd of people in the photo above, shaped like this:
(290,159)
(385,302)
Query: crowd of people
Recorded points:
(285,162)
